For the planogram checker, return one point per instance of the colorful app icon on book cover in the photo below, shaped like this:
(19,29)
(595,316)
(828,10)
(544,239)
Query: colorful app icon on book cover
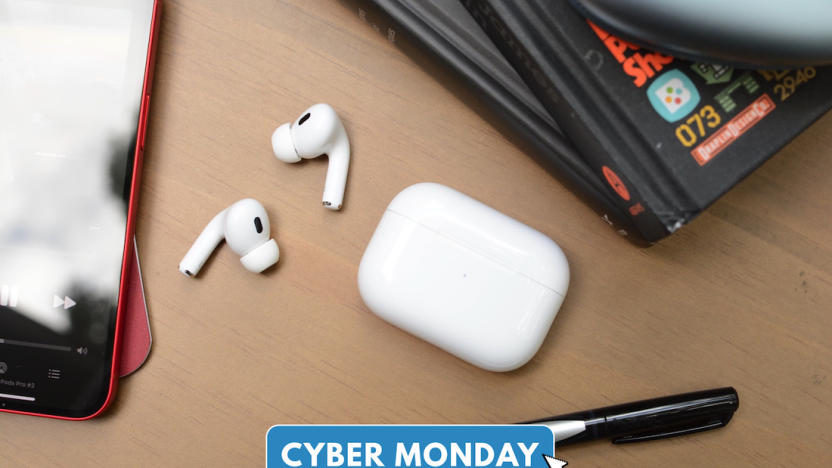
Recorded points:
(673,95)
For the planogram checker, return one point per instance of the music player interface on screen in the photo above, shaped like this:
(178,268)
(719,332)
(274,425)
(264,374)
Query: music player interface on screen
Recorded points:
(70,87)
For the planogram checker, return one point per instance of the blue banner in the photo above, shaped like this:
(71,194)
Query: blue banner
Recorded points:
(409,446)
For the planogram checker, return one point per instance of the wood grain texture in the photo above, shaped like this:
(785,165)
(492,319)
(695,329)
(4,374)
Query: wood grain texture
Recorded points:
(742,296)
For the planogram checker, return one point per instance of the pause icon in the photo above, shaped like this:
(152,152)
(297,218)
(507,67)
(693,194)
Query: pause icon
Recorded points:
(8,295)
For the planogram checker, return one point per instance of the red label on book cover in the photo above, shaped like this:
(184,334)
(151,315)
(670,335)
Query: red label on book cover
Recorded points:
(729,132)
(616,183)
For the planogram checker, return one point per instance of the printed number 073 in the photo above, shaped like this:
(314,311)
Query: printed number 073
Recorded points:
(706,116)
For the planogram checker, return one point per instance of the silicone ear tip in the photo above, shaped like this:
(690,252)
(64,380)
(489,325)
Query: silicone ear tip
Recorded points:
(262,257)
(283,146)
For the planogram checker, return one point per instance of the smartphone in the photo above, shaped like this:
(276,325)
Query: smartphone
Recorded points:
(75,83)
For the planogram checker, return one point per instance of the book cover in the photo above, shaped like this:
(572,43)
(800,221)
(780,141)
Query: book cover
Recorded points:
(668,136)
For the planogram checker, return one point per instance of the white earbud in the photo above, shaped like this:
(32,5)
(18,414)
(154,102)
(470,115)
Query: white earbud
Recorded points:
(245,227)
(317,131)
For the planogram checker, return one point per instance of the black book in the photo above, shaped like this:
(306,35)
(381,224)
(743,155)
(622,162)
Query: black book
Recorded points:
(667,136)
(441,33)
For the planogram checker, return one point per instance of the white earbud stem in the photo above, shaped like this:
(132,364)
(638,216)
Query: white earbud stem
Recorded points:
(336,174)
(201,249)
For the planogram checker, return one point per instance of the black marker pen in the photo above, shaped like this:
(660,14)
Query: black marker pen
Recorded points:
(648,419)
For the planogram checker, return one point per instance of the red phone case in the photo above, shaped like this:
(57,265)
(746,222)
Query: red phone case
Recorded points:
(131,212)
(136,338)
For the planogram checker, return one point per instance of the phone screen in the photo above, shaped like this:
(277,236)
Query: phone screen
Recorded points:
(71,77)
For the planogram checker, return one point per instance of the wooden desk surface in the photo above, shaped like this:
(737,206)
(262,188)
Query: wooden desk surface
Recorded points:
(741,297)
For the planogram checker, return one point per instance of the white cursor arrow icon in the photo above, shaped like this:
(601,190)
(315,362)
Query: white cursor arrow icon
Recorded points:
(554,462)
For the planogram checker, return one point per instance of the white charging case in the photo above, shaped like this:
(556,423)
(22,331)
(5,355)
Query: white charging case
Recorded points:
(463,276)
